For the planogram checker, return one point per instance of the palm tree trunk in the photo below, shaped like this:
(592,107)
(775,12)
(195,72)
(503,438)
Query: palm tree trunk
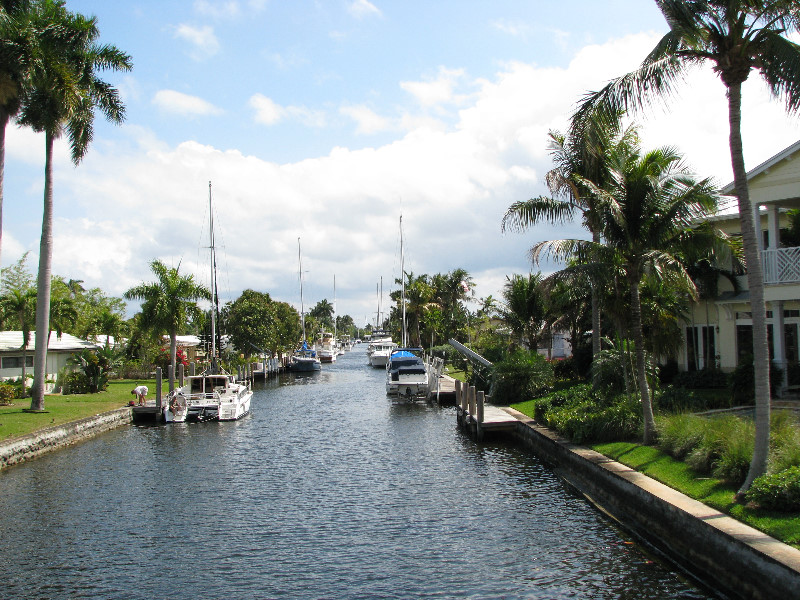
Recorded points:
(638,340)
(595,307)
(43,282)
(3,124)
(173,350)
(755,283)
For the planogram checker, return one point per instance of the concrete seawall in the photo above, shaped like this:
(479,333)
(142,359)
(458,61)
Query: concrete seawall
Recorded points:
(20,449)
(725,554)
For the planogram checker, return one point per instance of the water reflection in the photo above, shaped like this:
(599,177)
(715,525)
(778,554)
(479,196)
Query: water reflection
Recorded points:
(327,490)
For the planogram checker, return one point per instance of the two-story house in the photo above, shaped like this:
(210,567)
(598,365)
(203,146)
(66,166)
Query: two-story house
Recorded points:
(719,329)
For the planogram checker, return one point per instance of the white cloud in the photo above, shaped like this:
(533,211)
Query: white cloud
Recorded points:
(437,91)
(218,8)
(367,120)
(184,104)
(363,8)
(268,112)
(202,40)
(453,182)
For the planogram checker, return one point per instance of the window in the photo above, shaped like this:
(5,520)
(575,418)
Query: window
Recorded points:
(15,362)
(744,343)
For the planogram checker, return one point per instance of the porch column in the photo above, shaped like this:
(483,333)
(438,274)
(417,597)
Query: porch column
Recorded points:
(779,343)
(773,228)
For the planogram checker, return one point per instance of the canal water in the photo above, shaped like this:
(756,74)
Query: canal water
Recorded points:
(326,490)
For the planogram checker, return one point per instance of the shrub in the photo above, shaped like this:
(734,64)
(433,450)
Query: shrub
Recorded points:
(702,379)
(725,449)
(778,491)
(76,383)
(589,422)
(521,376)
(678,399)
(784,442)
(7,394)
(742,381)
(679,434)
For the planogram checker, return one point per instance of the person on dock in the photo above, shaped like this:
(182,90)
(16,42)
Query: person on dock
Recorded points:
(141,393)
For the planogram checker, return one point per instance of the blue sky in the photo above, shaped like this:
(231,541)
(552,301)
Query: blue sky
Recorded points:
(325,120)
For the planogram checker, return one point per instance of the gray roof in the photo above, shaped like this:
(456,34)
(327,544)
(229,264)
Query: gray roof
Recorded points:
(12,341)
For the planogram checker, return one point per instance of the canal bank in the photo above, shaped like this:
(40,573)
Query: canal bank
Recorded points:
(718,550)
(33,445)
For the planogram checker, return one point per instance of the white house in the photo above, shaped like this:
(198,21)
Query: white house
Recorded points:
(59,349)
(719,331)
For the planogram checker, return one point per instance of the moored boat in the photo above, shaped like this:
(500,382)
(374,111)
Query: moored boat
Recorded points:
(407,375)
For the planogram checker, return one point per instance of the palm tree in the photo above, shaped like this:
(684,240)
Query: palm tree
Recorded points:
(15,56)
(63,315)
(19,304)
(577,156)
(649,206)
(736,37)
(64,91)
(168,304)
(525,308)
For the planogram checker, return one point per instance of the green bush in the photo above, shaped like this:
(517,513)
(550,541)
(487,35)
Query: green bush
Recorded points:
(7,394)
(784,441)
(778,491)
(677,399)
(589,422)
(743,382)
(725,448)
(521,376)
(702,379)
(679,434)
(76,383)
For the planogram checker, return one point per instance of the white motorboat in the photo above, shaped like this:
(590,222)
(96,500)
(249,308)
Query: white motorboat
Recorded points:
(407,375)
(209,397)
(326,348)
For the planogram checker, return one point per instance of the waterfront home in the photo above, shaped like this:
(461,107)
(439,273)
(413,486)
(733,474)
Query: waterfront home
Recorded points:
(59,349)
(719,330)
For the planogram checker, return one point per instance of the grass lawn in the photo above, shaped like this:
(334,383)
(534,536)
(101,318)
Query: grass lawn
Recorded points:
(62,409)
(712,492)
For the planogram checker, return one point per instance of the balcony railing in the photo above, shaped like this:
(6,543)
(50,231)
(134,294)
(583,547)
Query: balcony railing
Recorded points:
(781,265)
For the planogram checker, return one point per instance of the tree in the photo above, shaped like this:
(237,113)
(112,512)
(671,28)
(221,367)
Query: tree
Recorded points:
(16,54)
(650,205)
(167,305)
(578,157)
(19,304)
(736,37)
(323,313)
(64,91)
(524,308)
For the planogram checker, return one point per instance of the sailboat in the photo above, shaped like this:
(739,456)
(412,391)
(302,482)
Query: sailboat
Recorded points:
(304,359)
(327,347)
(380,343)
(214,394)
(407,374)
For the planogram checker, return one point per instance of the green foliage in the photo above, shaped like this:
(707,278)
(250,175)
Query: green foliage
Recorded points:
(95,368)
(778,491)
(254,321)
(742,381)
(582,415)
(7,393)
(610,365)
(521,376)
(702,379)
(784,441)
(676,399)
(679,434)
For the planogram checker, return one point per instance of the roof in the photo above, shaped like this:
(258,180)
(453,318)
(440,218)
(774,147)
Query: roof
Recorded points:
(11,341)
(765,166)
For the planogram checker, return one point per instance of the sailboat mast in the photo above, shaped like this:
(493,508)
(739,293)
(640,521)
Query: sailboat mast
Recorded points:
(403,281)
(300,275)
(334,309)
(213,282)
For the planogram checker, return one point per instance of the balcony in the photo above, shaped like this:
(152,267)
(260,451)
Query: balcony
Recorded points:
(781,265)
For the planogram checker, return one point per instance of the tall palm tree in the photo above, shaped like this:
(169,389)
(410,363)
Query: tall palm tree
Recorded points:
(64,91)
(19,304)
(168,304)
(650,205)
(16,54)
(577,156)
(736,37)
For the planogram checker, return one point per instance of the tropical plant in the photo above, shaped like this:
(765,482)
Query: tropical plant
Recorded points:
(167,305)
(736,37)
(578,157)
(64,89)
(21,305)
(651,205)
(520,376)
(525,308)
(95,368)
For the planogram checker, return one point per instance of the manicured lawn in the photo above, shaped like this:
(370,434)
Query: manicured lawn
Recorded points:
(711,492)
(62,409)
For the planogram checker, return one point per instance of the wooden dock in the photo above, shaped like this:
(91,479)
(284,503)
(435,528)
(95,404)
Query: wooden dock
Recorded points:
(474,414)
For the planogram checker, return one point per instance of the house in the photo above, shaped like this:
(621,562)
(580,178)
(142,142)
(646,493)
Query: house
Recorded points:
(59,349)
(719,330)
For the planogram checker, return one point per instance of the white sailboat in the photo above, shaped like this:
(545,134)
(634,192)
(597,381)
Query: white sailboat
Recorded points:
(407,374)
(304,359)
(213,395)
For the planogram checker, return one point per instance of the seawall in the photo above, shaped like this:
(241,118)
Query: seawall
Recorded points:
(20,449)
(721,552)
